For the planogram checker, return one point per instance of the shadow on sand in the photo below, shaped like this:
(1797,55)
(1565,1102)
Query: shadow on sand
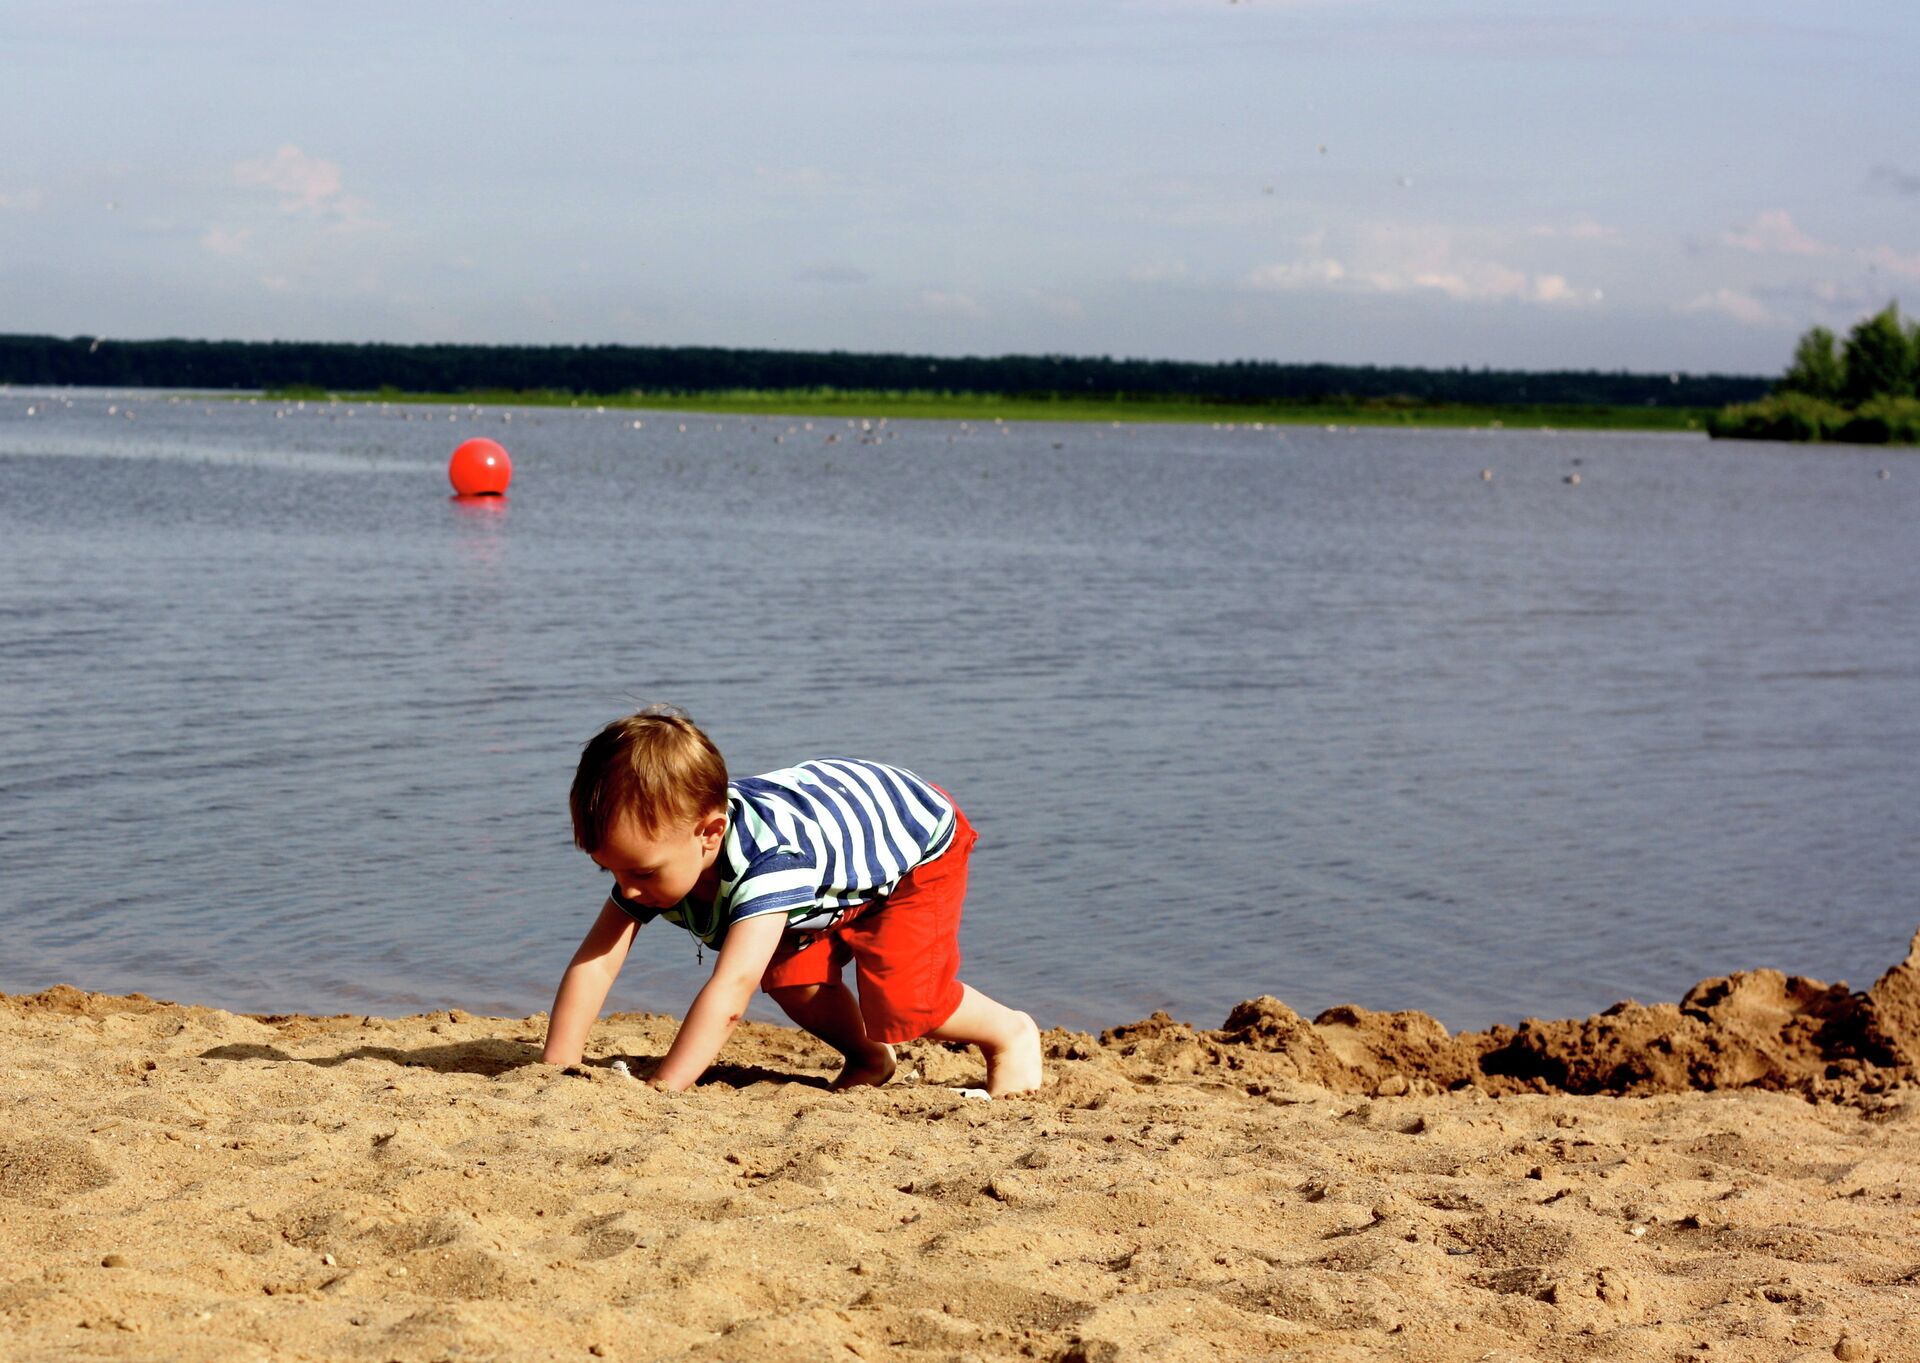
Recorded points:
(490,1059)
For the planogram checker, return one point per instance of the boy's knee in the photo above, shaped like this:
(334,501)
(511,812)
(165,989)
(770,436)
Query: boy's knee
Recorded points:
(796,994)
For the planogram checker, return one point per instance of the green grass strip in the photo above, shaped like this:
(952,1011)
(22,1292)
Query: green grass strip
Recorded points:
(856,404)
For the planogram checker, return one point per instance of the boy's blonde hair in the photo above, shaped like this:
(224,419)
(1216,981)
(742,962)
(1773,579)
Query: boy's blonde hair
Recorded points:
(654,766)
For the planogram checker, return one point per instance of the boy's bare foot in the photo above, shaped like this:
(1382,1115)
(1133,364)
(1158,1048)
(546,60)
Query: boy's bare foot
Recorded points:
(873,1068)
(1015,1066)
(1009,1041)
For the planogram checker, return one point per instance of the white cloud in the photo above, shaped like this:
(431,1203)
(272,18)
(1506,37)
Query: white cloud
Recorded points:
(1298,274)
(222,241)
(1058,304)
(1489,281)
(26,200)
(1773,233)
(305,183)
(308,186)
(1586,229)
(1401,258)
(1215,5)
(951,304)
(803,179)
(832,274)
(1168,273)
(1554,288)
(1890,260)
(1742,307)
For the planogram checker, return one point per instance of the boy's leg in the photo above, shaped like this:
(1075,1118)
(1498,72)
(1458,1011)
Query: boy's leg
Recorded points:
(1009,1040)
(907,959)
(830,1013)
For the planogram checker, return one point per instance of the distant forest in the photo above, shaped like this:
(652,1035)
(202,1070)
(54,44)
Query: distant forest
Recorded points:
(614,369)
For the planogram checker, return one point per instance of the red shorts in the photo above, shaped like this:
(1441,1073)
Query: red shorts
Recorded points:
(905,949)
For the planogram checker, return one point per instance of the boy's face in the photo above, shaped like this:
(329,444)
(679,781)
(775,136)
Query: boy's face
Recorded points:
(660,868)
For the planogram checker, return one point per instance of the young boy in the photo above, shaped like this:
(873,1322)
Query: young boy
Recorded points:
(788,876)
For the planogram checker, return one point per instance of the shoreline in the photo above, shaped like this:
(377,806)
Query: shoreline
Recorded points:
(986,410)
(887,404)
(1757,1028)
(188,1183)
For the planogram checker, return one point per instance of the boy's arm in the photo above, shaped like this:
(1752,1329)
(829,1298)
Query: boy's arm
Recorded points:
(722,999)
(584,987)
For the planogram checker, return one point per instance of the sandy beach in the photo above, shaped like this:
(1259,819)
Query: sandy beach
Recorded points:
(1733,1177)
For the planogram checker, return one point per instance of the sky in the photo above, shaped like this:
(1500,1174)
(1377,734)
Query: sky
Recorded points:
(1615,185)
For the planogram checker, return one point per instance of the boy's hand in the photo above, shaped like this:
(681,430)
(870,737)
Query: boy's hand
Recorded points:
(584,987)
(718,1007)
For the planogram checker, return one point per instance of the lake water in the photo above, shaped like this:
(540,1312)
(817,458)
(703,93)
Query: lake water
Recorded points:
(1315,713)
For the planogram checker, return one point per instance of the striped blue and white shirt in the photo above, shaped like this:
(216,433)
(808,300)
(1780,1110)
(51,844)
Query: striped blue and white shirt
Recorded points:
(812,842)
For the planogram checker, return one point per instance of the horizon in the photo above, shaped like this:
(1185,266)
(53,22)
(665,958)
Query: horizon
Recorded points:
(1350,182)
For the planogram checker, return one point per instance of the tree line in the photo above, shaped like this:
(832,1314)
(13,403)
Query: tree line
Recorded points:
(1865,390)
(617,369)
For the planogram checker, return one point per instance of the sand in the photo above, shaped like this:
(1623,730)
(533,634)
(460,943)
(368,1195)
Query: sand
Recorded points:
(1734,1177)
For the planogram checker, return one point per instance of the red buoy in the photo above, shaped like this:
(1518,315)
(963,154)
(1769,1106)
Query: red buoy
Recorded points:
(480,468)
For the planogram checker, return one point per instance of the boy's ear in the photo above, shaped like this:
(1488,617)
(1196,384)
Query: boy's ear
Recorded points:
(714,825)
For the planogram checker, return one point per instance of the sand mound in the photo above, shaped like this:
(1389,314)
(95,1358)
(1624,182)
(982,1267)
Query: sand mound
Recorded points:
(1752,1029)
(1889,1018)
(47,1170)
